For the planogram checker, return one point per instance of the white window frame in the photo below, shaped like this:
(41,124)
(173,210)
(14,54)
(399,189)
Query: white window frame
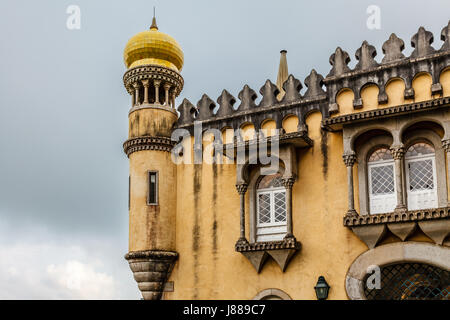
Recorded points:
(380,163)
(408,160)
(273,230)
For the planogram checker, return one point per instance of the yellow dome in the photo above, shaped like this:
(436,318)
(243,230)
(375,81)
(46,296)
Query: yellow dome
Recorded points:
(153,47)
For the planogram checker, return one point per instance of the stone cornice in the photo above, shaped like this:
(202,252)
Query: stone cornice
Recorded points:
(153,72)
(272,245)
(336,122)
(151,254)
(148,143)
(392,217)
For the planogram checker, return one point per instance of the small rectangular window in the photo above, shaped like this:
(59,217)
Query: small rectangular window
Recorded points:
(152,188)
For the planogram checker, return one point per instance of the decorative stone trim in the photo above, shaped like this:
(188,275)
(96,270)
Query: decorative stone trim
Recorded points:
(241,188)
(446,145)
(153,72)
(435,223)
(298,139)
(281,251)
(417,215)
(398,152)
(333,123)
(267,293)
(272,245)
(349,159)
(288,183)
(148,143)
(151,269)
(392,253)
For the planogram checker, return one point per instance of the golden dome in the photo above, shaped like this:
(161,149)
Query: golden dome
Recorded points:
(153,47)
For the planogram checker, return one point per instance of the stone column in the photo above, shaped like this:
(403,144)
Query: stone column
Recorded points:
(146,84)
(136,93)
(157,83)
(242,189)
(173,99)
(288,184)
(398,153)
(166,89)
(133,99)
(446,147)
(349,160)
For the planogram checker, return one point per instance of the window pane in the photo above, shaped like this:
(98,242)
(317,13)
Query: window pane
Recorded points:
(152,190)
(419,149)
(421,175)
(264,208)
(382,179)
(380,154)
(280,206)
(271,181)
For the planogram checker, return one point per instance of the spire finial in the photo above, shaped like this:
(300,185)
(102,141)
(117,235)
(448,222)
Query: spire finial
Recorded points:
(282,74)
(154,26)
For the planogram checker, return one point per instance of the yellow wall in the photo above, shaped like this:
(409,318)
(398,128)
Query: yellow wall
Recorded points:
(269,128)
(208,227)
(201,205)
(395,90)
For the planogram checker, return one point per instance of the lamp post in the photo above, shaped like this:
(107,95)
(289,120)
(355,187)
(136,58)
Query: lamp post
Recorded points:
(322,289)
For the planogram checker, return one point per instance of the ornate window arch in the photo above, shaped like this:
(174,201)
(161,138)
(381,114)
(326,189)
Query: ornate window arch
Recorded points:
(419,166)
(424,147)
(272,294)
(410,281)
(411,258)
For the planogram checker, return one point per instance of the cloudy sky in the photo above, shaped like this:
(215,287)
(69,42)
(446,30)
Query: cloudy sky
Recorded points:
(63,174)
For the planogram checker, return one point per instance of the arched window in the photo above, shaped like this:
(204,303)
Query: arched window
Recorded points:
(382,193)
(271,208)
(411,281)
(421,183)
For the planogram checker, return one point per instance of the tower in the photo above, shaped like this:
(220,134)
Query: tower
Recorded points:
(154,61)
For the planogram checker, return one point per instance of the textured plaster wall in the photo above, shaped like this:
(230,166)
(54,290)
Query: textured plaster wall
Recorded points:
(206,204)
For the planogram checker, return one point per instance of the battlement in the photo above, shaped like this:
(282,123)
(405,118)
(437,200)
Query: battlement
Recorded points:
(322,92)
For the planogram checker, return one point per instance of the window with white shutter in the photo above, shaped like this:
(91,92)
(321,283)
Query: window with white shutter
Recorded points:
(271,209)
(382,193)
(421,176)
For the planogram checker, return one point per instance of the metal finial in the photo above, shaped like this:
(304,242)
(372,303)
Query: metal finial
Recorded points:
(154,25)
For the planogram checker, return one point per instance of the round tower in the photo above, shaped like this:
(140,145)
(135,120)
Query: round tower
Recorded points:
(154,61)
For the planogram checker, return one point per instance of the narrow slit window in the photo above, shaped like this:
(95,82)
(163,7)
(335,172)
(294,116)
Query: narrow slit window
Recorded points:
(152,187)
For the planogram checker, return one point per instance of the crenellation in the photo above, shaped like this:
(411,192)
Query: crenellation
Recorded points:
(394,65)
(226,102)
(205,107)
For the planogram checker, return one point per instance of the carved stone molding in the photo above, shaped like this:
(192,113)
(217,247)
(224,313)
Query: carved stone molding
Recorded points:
(446,145)
(435,223)
(288,183)
(151,269)
(281,251)
(336,123)
(155,73)
(398,152)
(241,188)
(349,159)
(393,253)
(148,143)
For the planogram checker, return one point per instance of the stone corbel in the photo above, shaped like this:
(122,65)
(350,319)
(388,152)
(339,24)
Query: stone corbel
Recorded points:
(281,251)
(435,223)
(151,269)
